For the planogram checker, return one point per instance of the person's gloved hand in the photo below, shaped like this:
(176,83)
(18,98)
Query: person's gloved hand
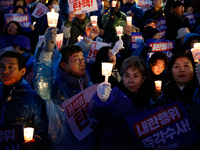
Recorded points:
(103,91)
(50,39)
(117,47)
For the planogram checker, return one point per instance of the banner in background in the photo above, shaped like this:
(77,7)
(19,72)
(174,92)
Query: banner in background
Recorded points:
(23,19)
(168,125)
(82,6)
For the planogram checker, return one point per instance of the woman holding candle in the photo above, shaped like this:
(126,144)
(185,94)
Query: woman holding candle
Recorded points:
(183,81)
(183,86)
(104,55)
(111,107)
(158,63)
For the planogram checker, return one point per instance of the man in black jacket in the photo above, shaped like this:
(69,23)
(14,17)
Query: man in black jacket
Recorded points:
(176,19)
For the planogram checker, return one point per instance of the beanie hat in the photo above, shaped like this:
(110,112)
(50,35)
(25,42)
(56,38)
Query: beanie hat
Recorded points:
(149,32)
(22,41)
(182,32)
(190,36)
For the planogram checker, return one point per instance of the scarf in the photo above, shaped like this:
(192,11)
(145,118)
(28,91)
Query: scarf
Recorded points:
(141,98)
(76,82)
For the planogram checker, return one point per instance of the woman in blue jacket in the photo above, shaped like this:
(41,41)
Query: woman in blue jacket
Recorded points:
(111,107)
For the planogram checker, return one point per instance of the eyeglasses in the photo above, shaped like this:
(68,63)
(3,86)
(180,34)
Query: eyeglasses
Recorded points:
(79,61)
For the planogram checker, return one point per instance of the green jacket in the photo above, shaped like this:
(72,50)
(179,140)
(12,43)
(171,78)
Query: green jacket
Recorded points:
(109,26)
(77,28)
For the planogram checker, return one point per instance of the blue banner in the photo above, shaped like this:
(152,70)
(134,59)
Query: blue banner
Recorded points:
(136,41)
(161,26)
(168,125)
(23,19)
(191,19)
(159,45)
(11,136)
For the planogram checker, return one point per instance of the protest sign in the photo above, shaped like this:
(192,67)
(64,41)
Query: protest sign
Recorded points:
(76,113)
(144,4)
(161,26)
(159,45)
(82,6)
(5,5)
(59,40)
(191,19)
(95,46)
(11,136)
(168,125)
(136,41)
(40,10)
(23,19)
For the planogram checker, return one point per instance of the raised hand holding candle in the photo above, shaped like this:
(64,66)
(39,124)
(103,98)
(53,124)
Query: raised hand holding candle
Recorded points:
(196,52)
(158,85)
(114,3)
(79,38)
(28,134)
(106,70)
(52,18)
(93,20)
(119,30)
(129,20)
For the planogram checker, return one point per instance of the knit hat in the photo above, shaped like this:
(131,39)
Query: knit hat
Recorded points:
(182,32)
(22,41)
(190,36)
(149,32)
(177,4)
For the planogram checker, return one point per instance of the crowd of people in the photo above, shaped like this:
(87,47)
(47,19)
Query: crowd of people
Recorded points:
(36,77)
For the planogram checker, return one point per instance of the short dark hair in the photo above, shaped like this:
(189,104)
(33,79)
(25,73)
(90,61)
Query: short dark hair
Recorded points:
(15,2)
(17,7)
(50,2)
(19,28)
(173,59)
(158,55)
(134,62)
(14,54)
(68,50)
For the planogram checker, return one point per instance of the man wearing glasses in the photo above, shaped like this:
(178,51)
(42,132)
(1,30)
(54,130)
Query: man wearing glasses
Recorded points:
(60,75)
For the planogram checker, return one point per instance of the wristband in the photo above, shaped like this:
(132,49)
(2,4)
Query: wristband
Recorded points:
(90,40)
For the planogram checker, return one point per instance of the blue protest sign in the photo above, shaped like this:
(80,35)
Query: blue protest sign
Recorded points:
(159,45)
(11,136)
(161,26)
(136,41)
(5,5)
(23,19)
(191,19)
(168,125)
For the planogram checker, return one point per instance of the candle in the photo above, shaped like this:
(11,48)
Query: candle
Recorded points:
(196,52)
(114,3)
(52,18)
(158,85)
(28,134)
(93,20)
(106,70)
(79,38)
(102,4)
(129,20)
(119,30)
